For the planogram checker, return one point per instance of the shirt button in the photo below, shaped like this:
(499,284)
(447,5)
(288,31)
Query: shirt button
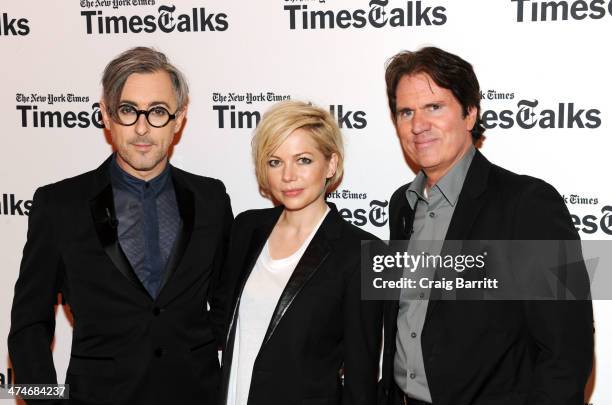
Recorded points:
(413,335)
(412,376)
(422,295)
(432,214)
(159,352)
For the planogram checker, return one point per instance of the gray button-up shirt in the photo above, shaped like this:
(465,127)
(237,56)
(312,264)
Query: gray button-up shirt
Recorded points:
(433,211)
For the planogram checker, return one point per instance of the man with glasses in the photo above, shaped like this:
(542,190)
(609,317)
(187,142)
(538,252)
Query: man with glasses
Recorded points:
(135,247)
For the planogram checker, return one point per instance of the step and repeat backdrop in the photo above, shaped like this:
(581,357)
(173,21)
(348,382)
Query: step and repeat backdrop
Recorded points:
(544,69)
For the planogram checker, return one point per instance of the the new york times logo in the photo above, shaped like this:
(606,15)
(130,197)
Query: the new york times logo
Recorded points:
(228,116)
(529,114)
(535,11)
(231,115)
(373,211)
(11,205)
(166,21)
(116,3)
(379,15)
(40,111)
(13,26)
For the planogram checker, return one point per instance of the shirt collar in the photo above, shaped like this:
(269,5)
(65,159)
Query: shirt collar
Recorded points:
(416,189)
(449,185)
(135,186)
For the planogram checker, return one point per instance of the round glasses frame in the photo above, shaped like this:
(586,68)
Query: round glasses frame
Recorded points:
(146,113)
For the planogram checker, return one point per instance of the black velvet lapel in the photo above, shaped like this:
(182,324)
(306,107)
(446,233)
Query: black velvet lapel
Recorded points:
(186,206)
(103,213)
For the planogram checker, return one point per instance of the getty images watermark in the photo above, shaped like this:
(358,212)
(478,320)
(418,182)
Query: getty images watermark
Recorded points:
(486,270)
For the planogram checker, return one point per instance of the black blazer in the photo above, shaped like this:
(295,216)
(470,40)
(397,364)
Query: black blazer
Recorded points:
(127,348)
(320,324)
(498,352)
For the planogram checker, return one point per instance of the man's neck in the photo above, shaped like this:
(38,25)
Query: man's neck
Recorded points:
(144,175)
(435,174)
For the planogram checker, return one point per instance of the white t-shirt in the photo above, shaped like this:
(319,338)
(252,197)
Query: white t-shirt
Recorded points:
(257,303)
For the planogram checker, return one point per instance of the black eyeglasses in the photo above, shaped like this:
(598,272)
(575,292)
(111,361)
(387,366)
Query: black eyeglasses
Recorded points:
(157,117)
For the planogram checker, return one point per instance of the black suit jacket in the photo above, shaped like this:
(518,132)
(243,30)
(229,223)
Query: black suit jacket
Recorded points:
(498,352)
(320,324)
(127,347)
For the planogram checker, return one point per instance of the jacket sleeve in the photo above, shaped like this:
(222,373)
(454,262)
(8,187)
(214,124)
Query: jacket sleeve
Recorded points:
(561,330)
(362,343)
(32,314)
(219,292)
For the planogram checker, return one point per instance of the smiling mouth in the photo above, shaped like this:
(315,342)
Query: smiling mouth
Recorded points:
(293,192)
(424,143)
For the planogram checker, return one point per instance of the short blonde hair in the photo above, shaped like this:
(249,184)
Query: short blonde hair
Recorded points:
(280,121)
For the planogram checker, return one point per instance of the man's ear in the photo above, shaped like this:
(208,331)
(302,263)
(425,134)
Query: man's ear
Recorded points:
(470,118)
(180,117)
(105,115)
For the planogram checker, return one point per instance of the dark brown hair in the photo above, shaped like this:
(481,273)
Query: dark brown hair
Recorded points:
(446,70)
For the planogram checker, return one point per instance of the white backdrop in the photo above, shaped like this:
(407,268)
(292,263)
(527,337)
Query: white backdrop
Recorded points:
(543,67)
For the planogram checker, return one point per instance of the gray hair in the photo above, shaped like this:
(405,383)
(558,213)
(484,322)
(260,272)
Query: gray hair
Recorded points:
(140,60)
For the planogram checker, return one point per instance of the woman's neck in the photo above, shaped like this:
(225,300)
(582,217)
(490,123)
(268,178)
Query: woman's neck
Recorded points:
(305,219)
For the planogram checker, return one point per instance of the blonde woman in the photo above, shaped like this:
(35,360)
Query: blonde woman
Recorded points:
(298,331)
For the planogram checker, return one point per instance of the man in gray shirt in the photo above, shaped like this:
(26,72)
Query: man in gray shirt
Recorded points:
(471,352)
(432,215)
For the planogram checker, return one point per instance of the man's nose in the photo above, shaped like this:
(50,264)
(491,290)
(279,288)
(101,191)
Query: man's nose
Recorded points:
(420,122)
(142,125)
